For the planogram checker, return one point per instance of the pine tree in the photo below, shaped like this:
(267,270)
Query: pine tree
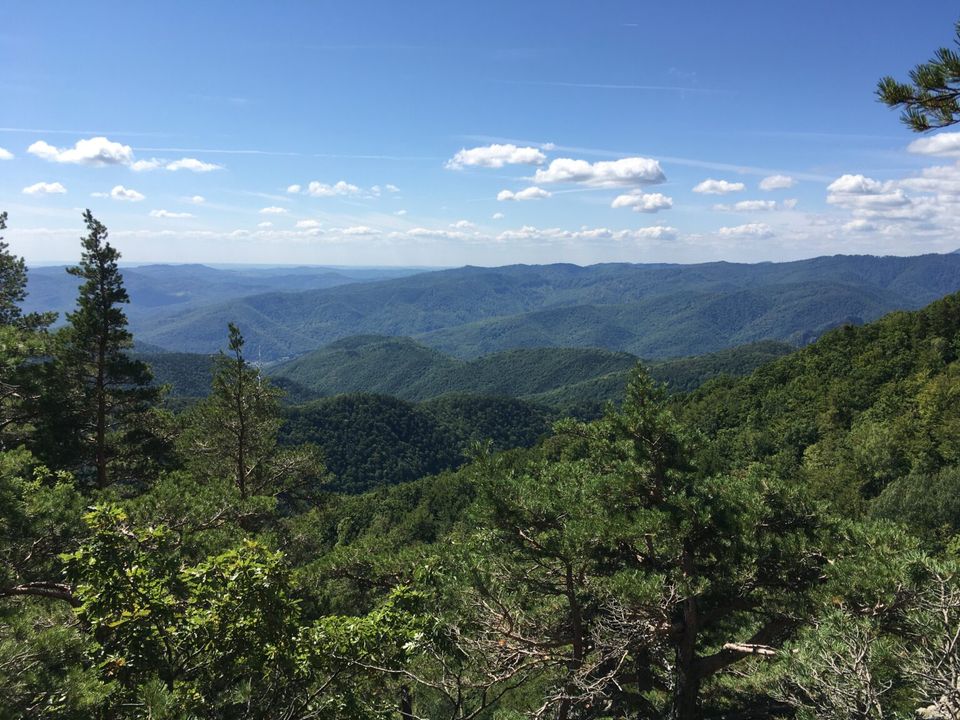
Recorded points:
(233,432)
(932,97)
(108,392)
(23,341)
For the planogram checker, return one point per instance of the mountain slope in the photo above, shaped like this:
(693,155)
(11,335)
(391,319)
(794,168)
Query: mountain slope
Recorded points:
(651,310)
(866,415)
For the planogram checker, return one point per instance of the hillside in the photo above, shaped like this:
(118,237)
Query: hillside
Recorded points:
(655,311)
(373,440)
(867,416)
(560,377)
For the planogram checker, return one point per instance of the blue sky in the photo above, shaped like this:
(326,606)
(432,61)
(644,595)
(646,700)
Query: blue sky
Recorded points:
(445,133)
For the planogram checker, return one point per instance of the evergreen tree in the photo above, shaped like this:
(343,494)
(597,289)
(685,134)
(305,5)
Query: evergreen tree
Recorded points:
(107,392)
(23,341)
(932,97)
(233,432)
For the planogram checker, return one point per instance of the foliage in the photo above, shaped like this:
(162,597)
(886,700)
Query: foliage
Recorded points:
(932,97)
(100,426)
(233,433)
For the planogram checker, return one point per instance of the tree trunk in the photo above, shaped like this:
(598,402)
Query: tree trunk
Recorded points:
(687,688)
(101,395)
(406,703)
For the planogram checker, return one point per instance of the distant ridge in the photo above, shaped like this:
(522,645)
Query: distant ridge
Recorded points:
(653,311)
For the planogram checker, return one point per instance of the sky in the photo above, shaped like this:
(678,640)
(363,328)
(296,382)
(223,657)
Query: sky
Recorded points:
(486,133)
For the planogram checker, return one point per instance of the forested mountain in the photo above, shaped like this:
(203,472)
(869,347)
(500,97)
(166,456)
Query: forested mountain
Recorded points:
(780,544)
(369,441)
(654,311)
(562,377)
(866,416)
(158,290)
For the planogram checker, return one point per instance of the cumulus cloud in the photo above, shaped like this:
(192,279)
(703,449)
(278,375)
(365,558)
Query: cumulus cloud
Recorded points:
(777,182)
(193,165)
(93,151)
(718,187)
(530,193)
(307,224)
(643,202)
(392,188)
(119,192)
(498,216)
(5,154)
(401,213)
(606,173)
(496,156)
(755,230)
(265,224)
(44,188)
(319,189)
(462,224)
(197,200)
(170,215)
(945,143)
(273,210)
(862,193)
(294,189)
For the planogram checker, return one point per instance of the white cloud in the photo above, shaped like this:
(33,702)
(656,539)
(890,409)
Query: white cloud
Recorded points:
(119,192)
(777,182)
(265,224)
(293,189)
(197,200)
(945,143)
(273,210)
(357,230)
(307,224)
(718,187)
(420,233)
(5,154)
(44,188)
(319,189)
(145,165)
(392,188)
(860,225)
(498,216)
(643,202)
(169,215)
(462,224)
(401,213)
(529,233)
(193,164)
(862,193)
(496,156)
(375,190)
(748,206)
(94,151)
(530,193)
(606,173)
(756,230)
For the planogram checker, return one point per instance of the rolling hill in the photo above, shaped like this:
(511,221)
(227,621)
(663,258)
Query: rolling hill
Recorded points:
(655,311)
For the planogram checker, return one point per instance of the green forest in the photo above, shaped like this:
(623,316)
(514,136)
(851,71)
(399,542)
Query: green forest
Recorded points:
(781,544)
